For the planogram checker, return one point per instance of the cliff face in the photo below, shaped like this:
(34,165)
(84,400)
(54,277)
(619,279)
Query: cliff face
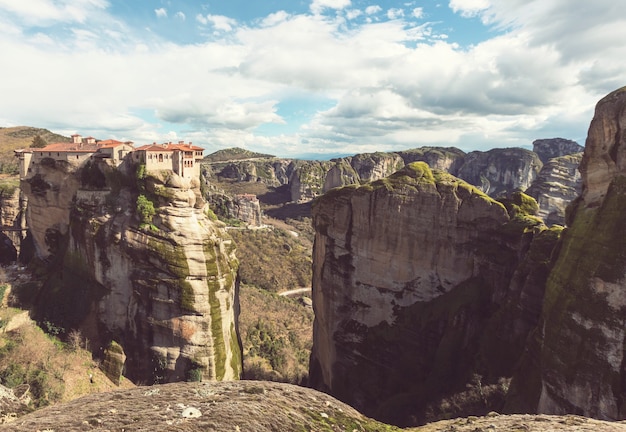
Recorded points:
(557,184)
(163,288)
(448,159)
(575,361)
(361,168)
(550,148)
(499,171)
(13,217)
(307,180)
(412,278)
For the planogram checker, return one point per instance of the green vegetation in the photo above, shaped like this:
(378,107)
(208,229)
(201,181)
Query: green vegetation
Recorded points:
(274,260)
(38,142)
(235,153)
(145,210)
(276,334)
(8,186)
(219,345)
(21,137)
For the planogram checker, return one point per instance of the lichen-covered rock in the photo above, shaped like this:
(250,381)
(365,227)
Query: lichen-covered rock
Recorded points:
(361,168)
(12,216)
(556,186)
(307,180)
(113,362)
(448,159)
(550,148)
(272,172)
(575,359)
(500,171)
(162,285)
(413,290)
(243,207)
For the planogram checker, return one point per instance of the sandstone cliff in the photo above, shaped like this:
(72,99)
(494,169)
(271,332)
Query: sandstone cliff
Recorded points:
(550,148)
(162,286)
(556,186)
(13,220)
(499,171)
(575,359)
(421,283)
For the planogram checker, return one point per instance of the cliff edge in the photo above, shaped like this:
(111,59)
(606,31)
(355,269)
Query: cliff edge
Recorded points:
(422,286)
(575,360)
(131,260)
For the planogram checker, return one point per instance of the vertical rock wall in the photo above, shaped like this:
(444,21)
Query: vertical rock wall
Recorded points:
(165,291)
(418,287)
(575,359)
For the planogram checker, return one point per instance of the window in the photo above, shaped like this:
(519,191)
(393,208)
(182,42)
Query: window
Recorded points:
(160,157)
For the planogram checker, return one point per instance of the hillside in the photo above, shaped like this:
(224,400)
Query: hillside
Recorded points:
(235,153)
(12,138)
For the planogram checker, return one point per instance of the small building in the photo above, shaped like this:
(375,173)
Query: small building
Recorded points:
(183,159)
(75,152)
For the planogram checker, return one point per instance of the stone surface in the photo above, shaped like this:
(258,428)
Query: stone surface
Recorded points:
(500,171)
(255,406)
(557,184)
(550,148)
(421,283)
(575,358)
(165,291)
(12,216)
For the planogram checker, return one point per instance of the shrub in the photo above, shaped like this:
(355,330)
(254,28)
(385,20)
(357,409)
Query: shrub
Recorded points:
(145,209)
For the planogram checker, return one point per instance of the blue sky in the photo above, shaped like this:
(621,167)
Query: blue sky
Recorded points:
(315,77)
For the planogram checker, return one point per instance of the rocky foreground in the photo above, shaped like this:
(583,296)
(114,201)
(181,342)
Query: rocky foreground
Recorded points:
(254,406)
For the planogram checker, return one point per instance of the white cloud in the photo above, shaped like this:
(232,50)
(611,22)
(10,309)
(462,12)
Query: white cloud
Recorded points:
(418,13)
(540,72)
(274,18)
(318,6)
(218,22)
(374,9)
(180,15)
(395,13)
(43,12)
(468,8)
(353,13)
(161,13)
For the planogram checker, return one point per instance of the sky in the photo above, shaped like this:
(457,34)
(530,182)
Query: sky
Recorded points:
(311,78)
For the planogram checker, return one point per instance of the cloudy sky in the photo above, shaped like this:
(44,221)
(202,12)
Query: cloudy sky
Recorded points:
(311,78)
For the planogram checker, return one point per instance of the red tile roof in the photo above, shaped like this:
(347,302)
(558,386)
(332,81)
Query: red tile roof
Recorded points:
(69,147)
(110,143)
(169,147)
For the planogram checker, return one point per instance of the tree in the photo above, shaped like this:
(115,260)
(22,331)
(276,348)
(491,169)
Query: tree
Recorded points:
(145,209)
(38,142)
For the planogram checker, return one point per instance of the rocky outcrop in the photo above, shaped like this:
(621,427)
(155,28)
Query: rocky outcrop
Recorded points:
(550,148)
(421,283)
(575,360)
(272,172)
(361,168)
(448,159)
(243,207)
(500,171)
(256,406)
(13,222)
(307,180)
(557,184)
(162,284)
